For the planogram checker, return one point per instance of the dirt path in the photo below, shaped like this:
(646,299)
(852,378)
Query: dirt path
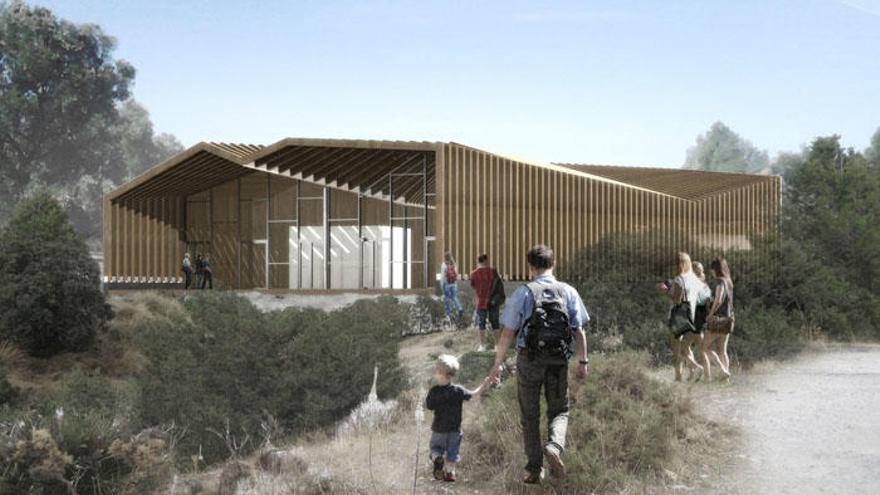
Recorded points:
(808,426)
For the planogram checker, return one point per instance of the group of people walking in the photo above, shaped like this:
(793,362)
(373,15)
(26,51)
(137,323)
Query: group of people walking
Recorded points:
(701,317)
(544,319)
(489,294)
(201,268)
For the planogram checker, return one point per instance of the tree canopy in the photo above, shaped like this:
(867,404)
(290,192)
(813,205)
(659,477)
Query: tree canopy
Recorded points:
(49,285)
(67,123)
(722,150)
(872,153)
(59,86)
(833,210)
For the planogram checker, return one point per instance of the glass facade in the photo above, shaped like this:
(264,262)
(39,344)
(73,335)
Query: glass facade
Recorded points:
(269,231)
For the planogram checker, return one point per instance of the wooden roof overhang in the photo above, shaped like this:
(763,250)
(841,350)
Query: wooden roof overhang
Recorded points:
(193,170)
(691,185)
(358,166)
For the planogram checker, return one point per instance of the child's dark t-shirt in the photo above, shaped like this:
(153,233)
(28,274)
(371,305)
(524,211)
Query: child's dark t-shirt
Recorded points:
(446,401)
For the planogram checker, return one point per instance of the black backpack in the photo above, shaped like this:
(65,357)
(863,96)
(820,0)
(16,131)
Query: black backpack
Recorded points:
(549,328)
(497,295)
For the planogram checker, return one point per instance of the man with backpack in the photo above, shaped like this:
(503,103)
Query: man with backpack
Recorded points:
(489,296)
(545,318)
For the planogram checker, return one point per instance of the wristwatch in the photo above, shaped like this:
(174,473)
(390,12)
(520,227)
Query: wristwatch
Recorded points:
(584,361)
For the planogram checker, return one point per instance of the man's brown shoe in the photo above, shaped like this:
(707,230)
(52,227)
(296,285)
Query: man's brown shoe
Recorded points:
(557,468)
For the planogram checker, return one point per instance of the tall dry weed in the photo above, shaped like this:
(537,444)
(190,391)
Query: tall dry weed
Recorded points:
(11,356)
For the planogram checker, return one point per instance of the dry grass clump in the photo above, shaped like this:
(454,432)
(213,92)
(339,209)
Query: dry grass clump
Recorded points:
(625,429)
(11,356)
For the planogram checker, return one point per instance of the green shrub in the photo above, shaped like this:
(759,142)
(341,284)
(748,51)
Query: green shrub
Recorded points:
(474,366)
(428,314)
(650,336)
(49,286)
(622,429)
(8,393)
(89,392)
(221,361)
(778,295)
(762,333)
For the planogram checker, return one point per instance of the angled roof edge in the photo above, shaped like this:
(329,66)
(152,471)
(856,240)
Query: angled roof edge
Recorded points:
(664,169)
(569,171)
(342,143)
(230,152)
(743,179)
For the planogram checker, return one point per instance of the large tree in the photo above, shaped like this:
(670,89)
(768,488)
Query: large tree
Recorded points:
(59,90)
(833,210)
(67,124)
(722,150)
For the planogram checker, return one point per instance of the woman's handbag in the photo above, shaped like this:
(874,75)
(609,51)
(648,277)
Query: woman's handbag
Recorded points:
(680,321)
(720,324)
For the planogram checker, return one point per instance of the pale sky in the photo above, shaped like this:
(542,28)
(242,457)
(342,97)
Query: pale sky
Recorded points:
(619,82)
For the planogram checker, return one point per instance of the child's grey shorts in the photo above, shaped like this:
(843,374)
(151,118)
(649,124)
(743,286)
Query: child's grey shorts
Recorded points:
(446,443)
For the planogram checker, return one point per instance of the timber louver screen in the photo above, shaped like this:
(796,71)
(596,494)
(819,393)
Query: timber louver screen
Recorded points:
(314,214)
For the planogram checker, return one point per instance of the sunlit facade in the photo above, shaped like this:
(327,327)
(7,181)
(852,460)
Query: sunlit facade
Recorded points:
(305,214)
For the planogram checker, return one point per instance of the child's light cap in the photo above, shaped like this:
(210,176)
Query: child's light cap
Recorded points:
(448,364)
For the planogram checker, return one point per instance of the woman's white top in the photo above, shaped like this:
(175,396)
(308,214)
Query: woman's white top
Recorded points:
(691,287)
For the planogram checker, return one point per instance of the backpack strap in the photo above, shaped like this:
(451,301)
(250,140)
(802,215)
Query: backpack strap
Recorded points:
(537,290)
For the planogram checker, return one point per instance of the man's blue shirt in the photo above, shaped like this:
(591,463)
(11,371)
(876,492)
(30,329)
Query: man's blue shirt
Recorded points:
(520,304)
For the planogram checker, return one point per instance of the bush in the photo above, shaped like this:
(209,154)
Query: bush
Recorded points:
(49,286)
(81,453)
(622,431)
(222,362)
(762,333)
(778,296)
(427,315)
(474,366)
(8,393)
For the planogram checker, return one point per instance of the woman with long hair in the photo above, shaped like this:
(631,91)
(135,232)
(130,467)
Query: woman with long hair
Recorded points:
(720,319)
(684,292)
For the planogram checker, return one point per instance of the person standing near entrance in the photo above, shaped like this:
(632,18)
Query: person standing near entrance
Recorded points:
(187,271)
(199,271)
(545,318)
(207,273)
(483,280)
(449,283)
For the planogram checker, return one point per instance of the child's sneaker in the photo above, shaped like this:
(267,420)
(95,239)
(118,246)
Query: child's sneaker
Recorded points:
(438,468)
(450,476)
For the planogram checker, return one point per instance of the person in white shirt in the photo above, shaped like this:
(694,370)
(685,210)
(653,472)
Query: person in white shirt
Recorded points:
(685,288)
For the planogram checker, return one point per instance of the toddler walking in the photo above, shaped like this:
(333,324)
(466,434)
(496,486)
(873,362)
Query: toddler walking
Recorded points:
(446,399)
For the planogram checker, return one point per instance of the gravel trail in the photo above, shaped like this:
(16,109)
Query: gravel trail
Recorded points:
(811,425)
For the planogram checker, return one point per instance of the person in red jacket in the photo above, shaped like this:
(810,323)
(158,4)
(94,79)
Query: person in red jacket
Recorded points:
(483,281)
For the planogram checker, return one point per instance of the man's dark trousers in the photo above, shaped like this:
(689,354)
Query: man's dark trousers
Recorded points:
(551,374)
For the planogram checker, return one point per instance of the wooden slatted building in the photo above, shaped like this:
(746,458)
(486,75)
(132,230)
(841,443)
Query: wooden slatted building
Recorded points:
(353,214)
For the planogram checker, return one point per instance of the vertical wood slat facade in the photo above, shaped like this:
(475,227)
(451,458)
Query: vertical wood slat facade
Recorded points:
(502,211)
(143,241)
(483,203)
